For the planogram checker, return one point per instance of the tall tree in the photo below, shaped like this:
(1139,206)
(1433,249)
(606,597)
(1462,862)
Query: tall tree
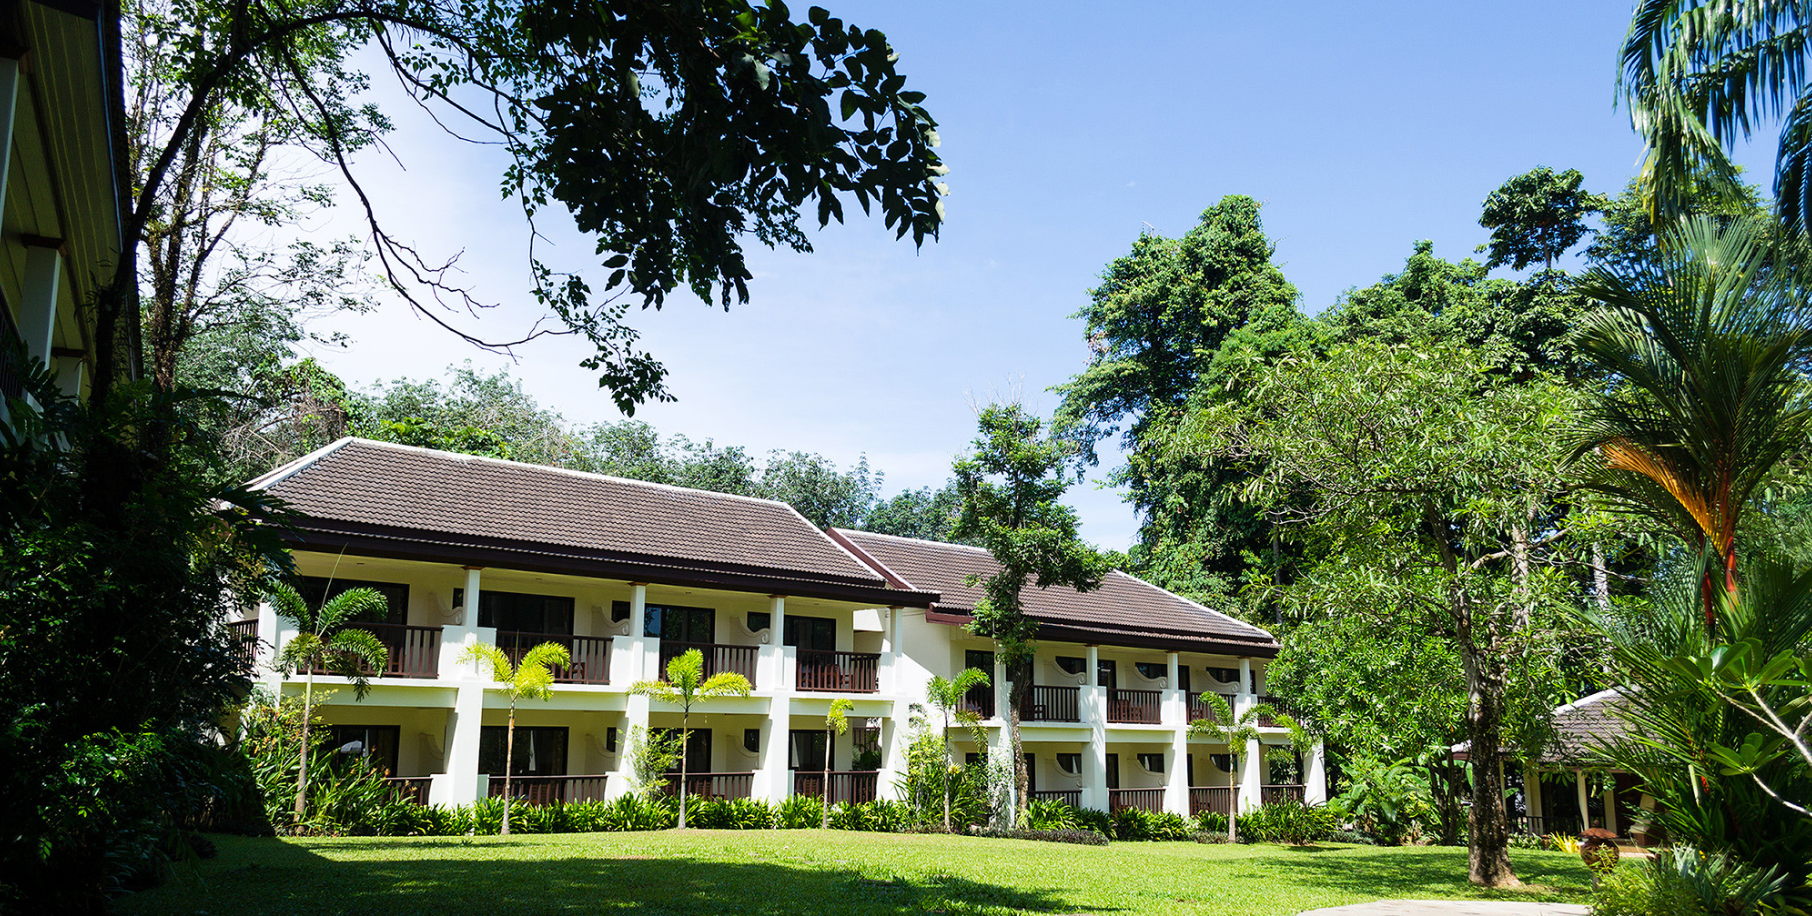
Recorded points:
(1408,472)
(1011,482)
(685,685)
(530,678)
(1710,341)
(324,641)
(1537,217)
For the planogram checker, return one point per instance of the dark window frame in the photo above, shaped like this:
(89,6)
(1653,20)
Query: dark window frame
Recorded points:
(496,736)
(317,590)
(345,733)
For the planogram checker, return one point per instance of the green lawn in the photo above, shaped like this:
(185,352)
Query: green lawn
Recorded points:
(821,873)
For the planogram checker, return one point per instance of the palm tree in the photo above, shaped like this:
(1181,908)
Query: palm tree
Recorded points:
(1237,733)
(324,642)
(836,722)
(1699,75)
(686,684)
(1707,344)
(946,696)
(530,679)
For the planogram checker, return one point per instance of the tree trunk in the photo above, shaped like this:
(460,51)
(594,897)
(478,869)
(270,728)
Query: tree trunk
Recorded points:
(1015,695)
(1447,782)
(1601,578)
(685,744)
(509,764)
(1519,566)
(828,738)
(1488,848)
(308,699)
(1232,797)
(945,782)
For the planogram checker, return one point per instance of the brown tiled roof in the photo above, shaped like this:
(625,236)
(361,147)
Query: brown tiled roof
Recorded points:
(399,494)
(1125,610)
(1584,726)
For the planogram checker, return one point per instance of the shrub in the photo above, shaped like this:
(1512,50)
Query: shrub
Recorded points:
(1133,824)
(1287,822)
(1392,801)
(639,812)
(1079,837)
(799,812)
(1211,822)
(1049,814)
(1686,882)
(1351,836)
(1211,836)
(1091,819)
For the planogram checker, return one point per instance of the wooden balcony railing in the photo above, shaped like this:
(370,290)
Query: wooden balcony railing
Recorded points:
(1537,825)
(1071,797)
(1134,706)
(1274,703)
(590,655)
(980,700)
(853,786)
(1273,795)
(1199,708)
(711,785)
(1218,799)
(844,672)
(1143,799)
(412,788)
(12,374)
(245,639)
(545,790)
(414,651)
(718,658)
(1045,703)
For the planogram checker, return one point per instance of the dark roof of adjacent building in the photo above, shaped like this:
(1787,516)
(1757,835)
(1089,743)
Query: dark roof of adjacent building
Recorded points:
(1582,729)
(1125,610)
(383,499)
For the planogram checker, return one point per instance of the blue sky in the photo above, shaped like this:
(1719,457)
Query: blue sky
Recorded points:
(1068,129)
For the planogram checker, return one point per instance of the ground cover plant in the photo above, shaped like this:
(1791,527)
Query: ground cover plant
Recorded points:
(702,871)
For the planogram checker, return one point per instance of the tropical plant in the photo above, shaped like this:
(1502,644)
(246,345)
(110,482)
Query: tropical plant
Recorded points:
(1387,800)
(1049,814)
(1290,822)
(1708,340)
(1682,881)
(531,678)
(323,641)
(685,685)
(1237,733)
(1699,76)
(652,755)
(947,697)
(836,722)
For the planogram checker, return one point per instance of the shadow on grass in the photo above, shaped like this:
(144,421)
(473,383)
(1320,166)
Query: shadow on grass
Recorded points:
(1432,870)
(282,878)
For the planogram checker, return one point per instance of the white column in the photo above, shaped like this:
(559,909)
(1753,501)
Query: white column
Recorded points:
(9,94)
(775,677)
(893,759)
(1176,778)
(468,609)
(1610,807)
(462,782)
(1532,796)
(1244,699)
(775,782)
(891,659)
(1315,775)
(1251,777)
(38,301)
(638,641)
(268,636)
(998,677)
(1094,758)
(1585,811)
(69,375)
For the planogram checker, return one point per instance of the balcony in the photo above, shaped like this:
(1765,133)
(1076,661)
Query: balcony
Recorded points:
(718,658)
(414,651)
(1071,797)
(1199,708)
(1052,704)
(1275,704)
(710,785)
(1151,800)
(410,788)
(245,639)
(1215,799)
(853,786)
(1280,794)
(538,791)
(590,655)
(842,672)
(1136,707)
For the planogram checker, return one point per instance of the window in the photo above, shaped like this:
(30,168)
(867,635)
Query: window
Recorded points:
(516,612)
(1224,762)
(377,743)
(751,740)
(317,590)
(1070,764)
(1153,763)
(619,611)
(610,739)
(680,624)
(817,634)
(698,749)
(540,750)
(1031,775)
(1106,674)
(1070,664)
(1113,771)
(971,759)
(865,748)
(980,697)
(1152,671)
(806,749)
(1224,675)
(760,620)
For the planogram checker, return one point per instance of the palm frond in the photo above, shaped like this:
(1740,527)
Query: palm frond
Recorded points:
(726,684)
(658,690)
(489,656)
(288,603)
(547,655)
(303,650)
(356,655)
(349,605)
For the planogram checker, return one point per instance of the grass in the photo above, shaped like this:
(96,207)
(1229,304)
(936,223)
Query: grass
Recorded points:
(823,873)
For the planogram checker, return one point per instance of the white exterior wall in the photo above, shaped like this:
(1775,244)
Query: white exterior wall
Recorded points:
(436,714)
